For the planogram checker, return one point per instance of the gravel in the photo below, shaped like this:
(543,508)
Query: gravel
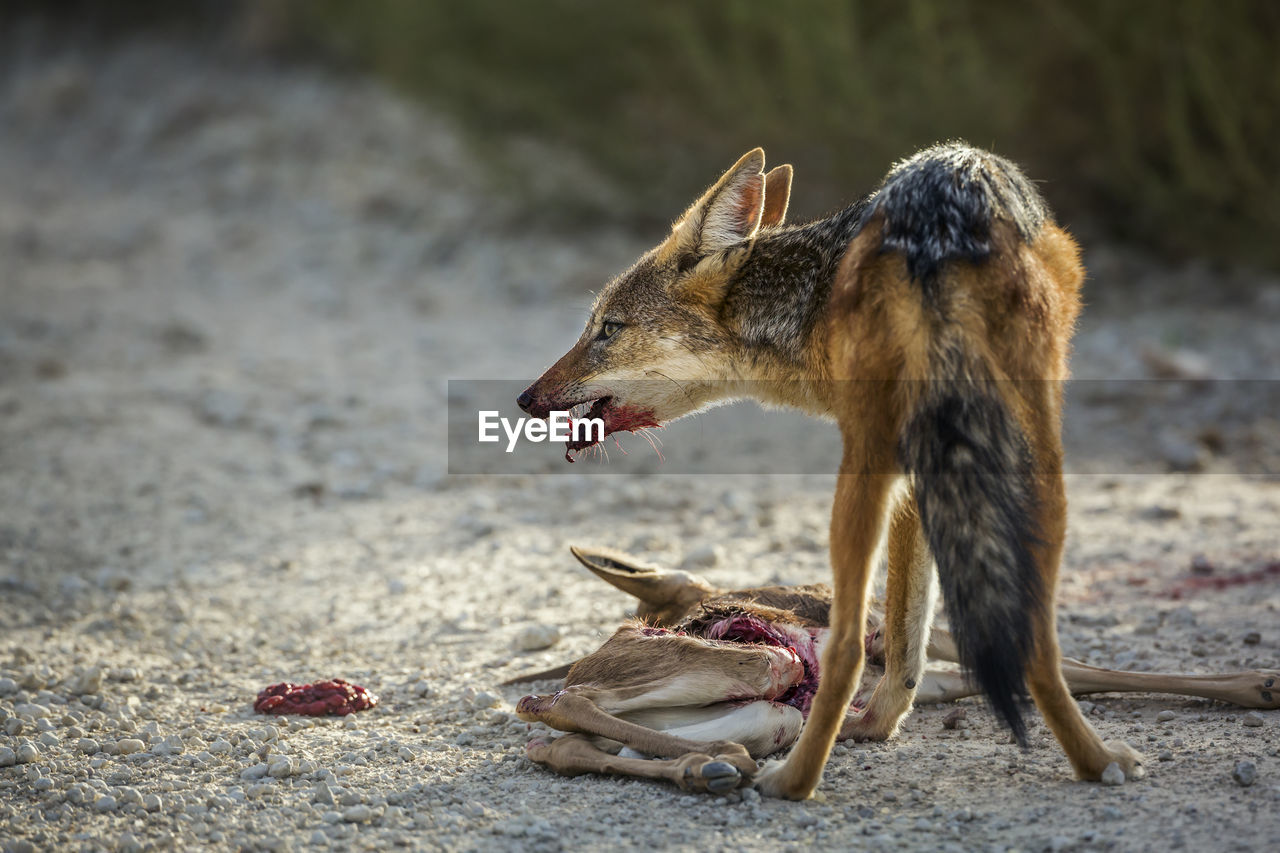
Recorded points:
(1245,773)
(129,745)
(532,638)
(1113,775)
(236,477)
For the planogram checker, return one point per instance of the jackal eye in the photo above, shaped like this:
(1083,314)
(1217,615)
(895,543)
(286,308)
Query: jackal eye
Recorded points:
(608,330)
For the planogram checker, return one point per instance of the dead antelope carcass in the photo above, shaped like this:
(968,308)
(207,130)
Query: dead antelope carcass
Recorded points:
(709,680)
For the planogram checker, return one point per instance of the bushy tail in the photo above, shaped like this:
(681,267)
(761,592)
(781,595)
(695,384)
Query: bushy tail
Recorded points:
(975,490)
(972,468)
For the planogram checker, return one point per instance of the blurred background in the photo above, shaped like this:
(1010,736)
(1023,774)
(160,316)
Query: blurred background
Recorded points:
(1151,122)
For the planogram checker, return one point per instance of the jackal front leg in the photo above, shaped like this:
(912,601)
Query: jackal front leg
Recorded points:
(858,513)
(910,595)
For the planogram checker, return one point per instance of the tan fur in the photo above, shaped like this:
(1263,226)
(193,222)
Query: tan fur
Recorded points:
(865,365)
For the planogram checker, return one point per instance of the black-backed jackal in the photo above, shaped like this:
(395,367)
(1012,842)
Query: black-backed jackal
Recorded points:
(931,321)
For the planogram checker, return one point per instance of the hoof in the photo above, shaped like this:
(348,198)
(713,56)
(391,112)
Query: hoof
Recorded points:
(718,777)
(703,775)
(536,750)
(1268,690)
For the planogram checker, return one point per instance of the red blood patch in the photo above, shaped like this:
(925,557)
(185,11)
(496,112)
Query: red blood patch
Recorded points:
(335,698)
(1199,582)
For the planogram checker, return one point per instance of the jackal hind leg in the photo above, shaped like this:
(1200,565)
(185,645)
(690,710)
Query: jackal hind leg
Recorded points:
(1088,755)
(910,595)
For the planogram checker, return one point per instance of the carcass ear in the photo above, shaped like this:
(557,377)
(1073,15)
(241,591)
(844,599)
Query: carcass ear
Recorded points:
(658,588)
(777,194)
(729,212)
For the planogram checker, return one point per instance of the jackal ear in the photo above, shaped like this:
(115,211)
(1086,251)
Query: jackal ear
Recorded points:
(653,586)
(729,212)
(777,195)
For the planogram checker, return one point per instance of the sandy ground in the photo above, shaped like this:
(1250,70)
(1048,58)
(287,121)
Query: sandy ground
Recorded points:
(231,296)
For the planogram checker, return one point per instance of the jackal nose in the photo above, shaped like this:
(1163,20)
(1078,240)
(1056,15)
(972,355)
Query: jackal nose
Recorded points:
(525,400)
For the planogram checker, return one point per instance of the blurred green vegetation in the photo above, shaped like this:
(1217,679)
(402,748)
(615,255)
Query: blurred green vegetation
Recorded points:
(1150,121)
(1154,120)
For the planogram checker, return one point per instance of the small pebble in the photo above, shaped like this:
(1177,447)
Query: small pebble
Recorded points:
(1252,638)
(324,795)
(28,753)
(1166,716)
(1245,773)
(105,803)
(485,699)
(257,771)
(1165,755)
(88,746)
(532,638)
(8,757)
(130,745)
(282,766)
(258,789)
(8,687)
(357,813)
(1252,719)
(152,803)
(703,558)
(1113,775)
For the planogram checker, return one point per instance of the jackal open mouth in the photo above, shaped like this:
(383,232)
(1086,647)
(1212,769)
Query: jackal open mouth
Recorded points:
(615,419)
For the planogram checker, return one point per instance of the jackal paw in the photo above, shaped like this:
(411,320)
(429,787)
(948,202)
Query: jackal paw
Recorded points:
(1128,759)
(868,726)
(775,780)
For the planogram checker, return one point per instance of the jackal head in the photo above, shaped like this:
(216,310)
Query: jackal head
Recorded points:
(655,347)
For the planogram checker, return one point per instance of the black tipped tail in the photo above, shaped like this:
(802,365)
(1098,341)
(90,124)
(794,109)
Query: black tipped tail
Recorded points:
(974,486)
